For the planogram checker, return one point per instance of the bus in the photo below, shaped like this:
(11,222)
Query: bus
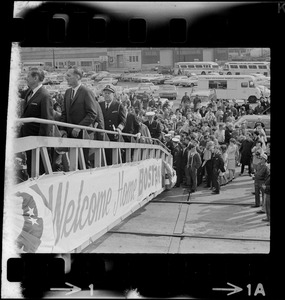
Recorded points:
(229,87)
(27,65)
(196,67)
(246,67)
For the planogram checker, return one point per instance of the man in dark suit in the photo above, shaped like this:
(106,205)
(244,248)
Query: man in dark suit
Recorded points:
(218,167)
(80,108)
(153,126)
(37,104)
(115,117)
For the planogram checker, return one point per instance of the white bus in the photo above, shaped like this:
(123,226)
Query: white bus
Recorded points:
(197,67)
(27,65)
(231,86)
(246,68)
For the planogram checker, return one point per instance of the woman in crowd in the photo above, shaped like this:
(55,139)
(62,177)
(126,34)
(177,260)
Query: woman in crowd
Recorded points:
(232,151)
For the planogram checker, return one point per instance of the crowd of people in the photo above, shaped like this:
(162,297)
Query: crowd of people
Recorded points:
(205,144)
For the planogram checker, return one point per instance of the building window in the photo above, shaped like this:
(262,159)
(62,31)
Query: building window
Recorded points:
(86,63)
(131,58)
(48,64)
(137,58)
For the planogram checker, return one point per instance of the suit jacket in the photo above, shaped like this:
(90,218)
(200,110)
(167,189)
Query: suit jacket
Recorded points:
(39,106)
(154,129)
(82,110)
(177,157)
(218,163)
(116,115)
(194,162)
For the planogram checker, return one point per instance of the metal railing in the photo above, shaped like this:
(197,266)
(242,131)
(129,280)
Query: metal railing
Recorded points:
(134,151)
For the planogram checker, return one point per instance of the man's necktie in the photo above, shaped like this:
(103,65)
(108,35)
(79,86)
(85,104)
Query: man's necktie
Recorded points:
(107,107)
(72,95)
(29,96)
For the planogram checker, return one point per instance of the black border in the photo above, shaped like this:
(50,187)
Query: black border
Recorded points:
(247,25)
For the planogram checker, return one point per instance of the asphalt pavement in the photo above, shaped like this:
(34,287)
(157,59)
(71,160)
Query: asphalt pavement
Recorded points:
(175,222)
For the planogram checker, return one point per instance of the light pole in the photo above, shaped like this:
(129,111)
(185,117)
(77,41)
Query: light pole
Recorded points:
(53,59)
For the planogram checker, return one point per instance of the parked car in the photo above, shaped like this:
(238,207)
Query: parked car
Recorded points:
(150,84)
(178,79)
(101,75)
(175,80)
(115,75)
(168,91)
(147,77)
(191,81)
(89,74)
(252,119)
(142,89)
(109,80)
(160,79)
(126,77)
(86,80)
(137,77)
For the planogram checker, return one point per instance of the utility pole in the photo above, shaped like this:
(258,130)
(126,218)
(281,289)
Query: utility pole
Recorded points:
(53,59)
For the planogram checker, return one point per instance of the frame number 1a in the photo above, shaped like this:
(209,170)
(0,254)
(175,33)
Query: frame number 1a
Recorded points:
(259,289)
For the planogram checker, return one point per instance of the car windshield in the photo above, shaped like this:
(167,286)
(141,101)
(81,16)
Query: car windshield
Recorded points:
(144,88)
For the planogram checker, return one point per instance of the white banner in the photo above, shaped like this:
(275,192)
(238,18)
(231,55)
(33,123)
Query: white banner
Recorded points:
(83,203)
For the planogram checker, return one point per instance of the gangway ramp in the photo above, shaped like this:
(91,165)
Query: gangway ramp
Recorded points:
(65,211)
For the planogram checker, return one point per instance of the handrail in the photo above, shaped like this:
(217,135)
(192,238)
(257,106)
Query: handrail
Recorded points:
(62,124)
(72,148)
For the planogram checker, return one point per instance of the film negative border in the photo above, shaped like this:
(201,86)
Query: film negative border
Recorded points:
(212,25)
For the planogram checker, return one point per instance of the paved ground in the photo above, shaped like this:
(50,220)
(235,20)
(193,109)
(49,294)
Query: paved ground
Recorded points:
(173,222)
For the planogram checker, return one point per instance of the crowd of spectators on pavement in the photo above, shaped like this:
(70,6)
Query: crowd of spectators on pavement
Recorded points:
(205,144)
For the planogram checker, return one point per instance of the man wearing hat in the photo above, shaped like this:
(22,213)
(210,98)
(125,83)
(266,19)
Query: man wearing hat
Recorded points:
(169,142)
(113,111)
(262,172)
(153,126)
(177,160)
(115,117)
